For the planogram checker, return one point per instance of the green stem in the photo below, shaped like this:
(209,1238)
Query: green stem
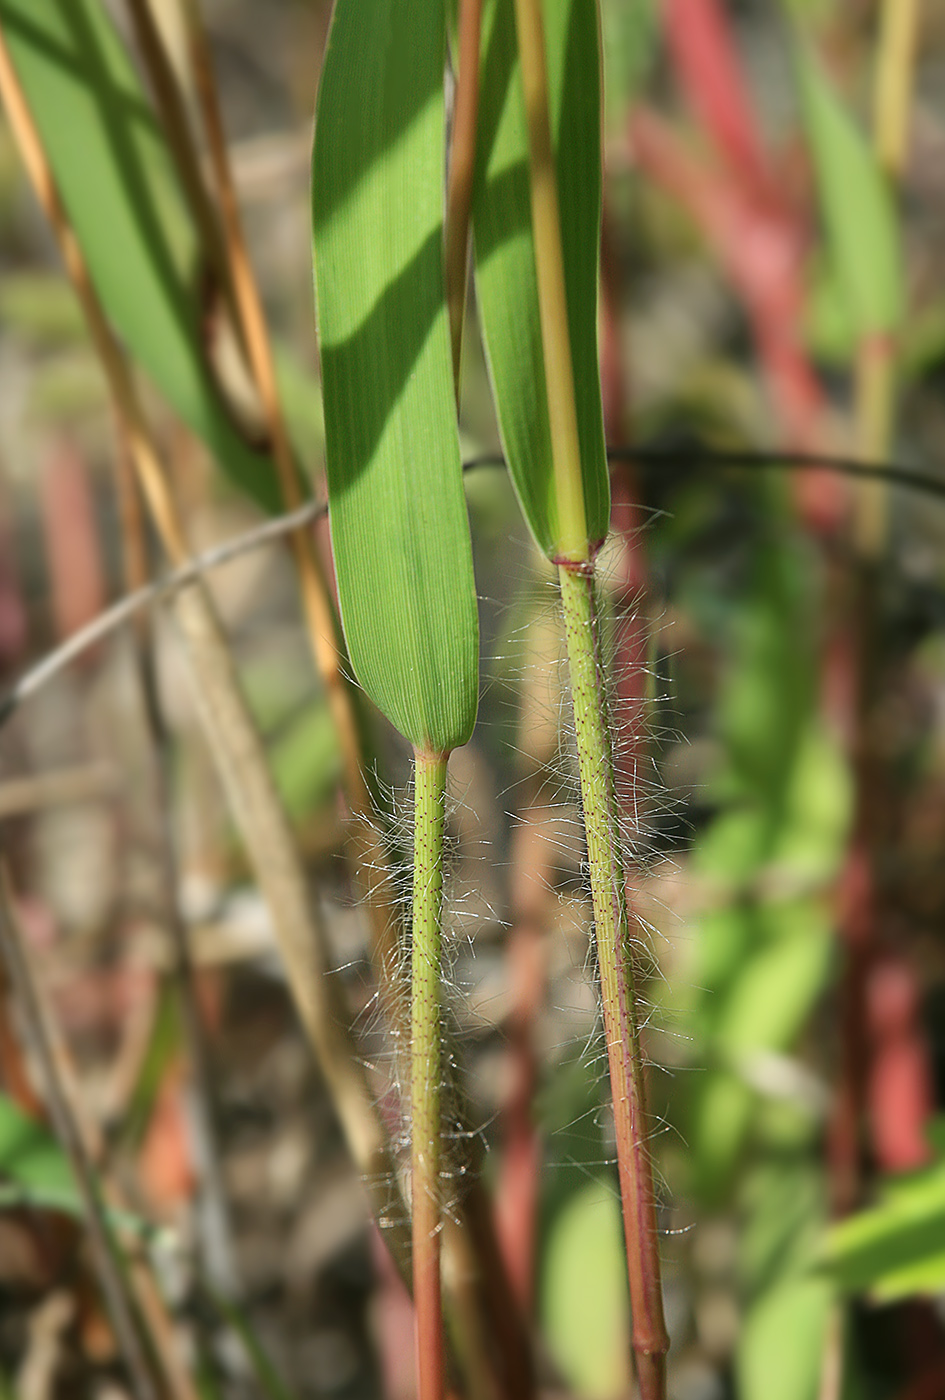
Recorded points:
(572,544)
(425,1069)
(615,962)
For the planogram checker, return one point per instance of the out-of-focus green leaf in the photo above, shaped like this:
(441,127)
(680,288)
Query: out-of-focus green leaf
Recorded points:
(897,1248)
(505,260)
(41,308)
(34,1170)
(781,1346)
(769,1000)
(768,965)
(306,761)
(764,952)
(631,44)
(858,210)
(782,1205)
(584,1300)
(32,1162)
(399,527)
(271,1384)
(121,194)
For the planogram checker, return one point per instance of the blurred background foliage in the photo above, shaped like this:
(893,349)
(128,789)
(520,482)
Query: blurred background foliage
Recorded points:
(773,282)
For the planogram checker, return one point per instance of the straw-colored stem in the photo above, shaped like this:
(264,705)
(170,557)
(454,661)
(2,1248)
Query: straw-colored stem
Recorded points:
(229,727)
(105,1253)
(367,849)
(572,543)
(214,1232)
(875,399)
(875,393)
(425,1068)
(895,66)
(252,320)
(177,129)
(462,169)
(615,963)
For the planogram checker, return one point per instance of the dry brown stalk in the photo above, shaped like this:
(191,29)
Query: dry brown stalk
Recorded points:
(36,1022)
(230,729)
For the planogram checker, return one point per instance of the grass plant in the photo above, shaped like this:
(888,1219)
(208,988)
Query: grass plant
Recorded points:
(410,198)
(369,219)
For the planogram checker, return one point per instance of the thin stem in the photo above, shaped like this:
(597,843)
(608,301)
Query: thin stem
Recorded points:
(177,129)
(462,169)
(229,727)
(214,1230)
(104,1250)
(128,607)
(874,412)
(876,362)
(252,321)
(899,30)
(572,543)
(615,962)
(369,856)
(425,1068)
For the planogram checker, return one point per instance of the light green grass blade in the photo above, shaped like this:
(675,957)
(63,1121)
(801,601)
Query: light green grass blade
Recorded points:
(896,1248)
(120,191)
(399,527)
(505,261)
(859,215)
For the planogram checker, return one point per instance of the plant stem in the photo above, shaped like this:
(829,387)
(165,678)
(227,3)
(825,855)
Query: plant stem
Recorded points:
(460,180)
(895,64)
(230,730)
(425,1072)
(113,1277)
(552,296)
(615,961)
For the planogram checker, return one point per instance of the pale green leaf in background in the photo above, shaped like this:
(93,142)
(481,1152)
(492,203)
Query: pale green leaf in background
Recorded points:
(584,1301)
(35,1172)
(120,191)
(781,1346)
(897,1248)
(859,215)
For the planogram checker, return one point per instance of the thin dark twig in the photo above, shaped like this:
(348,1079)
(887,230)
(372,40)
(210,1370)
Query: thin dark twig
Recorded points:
(649,457)
(111,1278)
(777,459)
(214,1230)
(148,596)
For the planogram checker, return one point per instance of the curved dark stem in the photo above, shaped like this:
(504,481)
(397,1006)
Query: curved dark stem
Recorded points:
(650,459)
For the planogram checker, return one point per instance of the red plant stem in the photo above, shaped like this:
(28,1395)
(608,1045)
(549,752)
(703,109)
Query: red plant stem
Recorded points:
(615,960)
(517,1194)
(760,244)
(699,36)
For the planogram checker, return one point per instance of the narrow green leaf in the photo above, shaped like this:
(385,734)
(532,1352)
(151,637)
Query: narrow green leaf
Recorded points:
(584,1300)
(121,194)
(781,1347)
(505,259)
(897,1248)
(400,532)
(860,219)
(271,1384)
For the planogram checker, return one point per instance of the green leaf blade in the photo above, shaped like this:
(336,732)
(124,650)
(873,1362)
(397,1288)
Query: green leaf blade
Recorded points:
(896,1248)
(400,532)
(505,260)
(859,215)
